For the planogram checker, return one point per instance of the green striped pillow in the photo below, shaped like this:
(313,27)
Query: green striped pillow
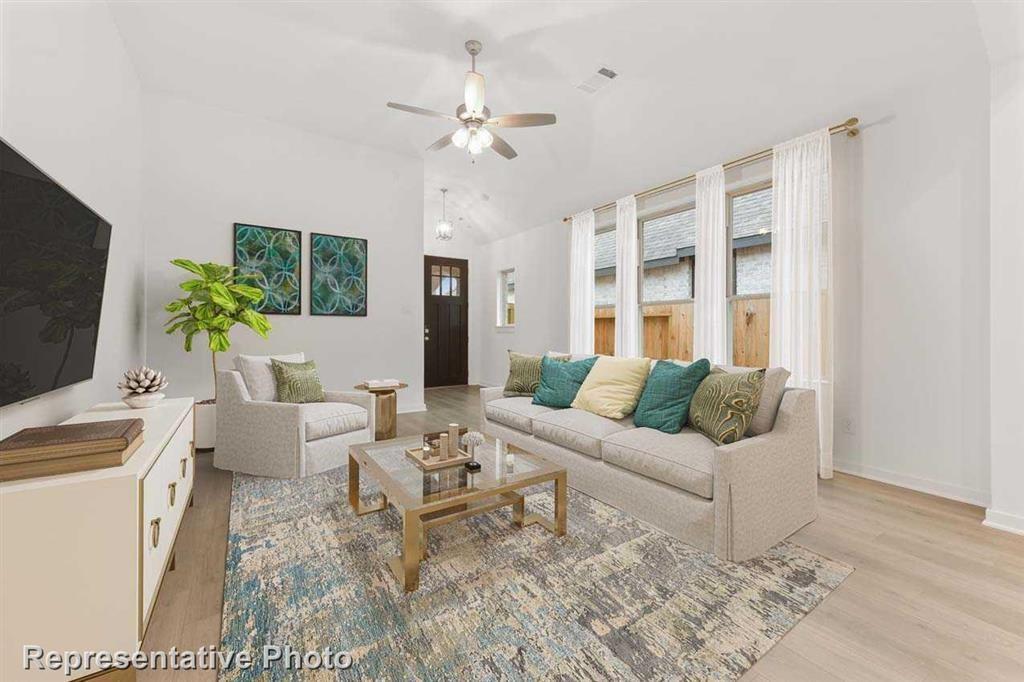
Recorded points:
(524,373)
(297,382)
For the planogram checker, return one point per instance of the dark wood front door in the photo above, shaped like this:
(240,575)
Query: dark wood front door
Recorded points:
(446,321)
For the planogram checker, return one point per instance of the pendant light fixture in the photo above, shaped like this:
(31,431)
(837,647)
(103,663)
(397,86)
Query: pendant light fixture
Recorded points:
(443,231)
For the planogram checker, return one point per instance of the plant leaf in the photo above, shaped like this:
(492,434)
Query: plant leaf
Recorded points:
(219,341)
(188,341)
(214,271)
(254,294)
(175,306)
(255,321)
(220,295)
(192,284)
(188,265)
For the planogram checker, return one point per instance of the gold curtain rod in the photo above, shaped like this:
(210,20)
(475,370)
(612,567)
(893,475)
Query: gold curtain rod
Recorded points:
(848,126)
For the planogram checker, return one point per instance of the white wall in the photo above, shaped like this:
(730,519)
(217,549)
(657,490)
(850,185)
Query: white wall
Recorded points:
(911,258)
(1007,285)
(70,102)
(540,257)
(207,169)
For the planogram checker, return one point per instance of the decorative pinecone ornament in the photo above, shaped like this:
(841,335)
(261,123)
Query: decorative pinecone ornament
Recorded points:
(142,380)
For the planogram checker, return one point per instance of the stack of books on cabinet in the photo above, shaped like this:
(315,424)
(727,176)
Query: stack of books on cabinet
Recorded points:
(68,448)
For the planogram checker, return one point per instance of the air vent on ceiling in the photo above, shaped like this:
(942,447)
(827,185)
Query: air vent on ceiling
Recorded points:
(597,81)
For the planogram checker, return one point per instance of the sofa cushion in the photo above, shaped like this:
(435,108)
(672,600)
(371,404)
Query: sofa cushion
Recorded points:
(665,402)
(560,381)
(524,373)
(725,403)
(775,379)
(258,377)
(578,430)
(516,413)
(613,386)
(683,460)
(324,420)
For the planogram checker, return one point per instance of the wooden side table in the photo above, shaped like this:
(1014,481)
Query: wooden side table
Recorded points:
(387,409)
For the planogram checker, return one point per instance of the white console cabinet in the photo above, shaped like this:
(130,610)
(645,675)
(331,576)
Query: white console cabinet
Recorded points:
(82,555)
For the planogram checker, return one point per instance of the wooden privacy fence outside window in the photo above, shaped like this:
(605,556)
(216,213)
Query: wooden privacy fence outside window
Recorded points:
(668,330)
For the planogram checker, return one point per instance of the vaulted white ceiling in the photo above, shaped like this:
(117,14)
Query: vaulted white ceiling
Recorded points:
(700,82)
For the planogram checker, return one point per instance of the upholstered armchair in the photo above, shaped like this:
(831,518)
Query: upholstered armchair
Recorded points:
(285,440)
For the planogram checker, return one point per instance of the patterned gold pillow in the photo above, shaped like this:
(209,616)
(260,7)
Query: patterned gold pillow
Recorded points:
(524,373)
(297,382)
(725,403)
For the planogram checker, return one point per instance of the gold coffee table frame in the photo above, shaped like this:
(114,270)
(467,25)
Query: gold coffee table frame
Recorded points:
(420,515)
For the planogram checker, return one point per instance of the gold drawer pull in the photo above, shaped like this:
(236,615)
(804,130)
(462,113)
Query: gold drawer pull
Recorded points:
(192,448)
(154,532)
(184,466)
(172,489)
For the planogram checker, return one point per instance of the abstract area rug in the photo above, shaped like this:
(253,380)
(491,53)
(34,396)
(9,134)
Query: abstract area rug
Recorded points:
(613,599)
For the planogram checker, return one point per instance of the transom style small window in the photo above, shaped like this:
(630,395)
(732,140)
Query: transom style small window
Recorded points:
(445,280)
(507,298)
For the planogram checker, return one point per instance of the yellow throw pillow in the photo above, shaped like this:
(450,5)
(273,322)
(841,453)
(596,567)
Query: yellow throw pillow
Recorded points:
(613,387)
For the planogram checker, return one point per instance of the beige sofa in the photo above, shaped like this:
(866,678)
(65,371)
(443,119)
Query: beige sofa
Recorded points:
(734,500)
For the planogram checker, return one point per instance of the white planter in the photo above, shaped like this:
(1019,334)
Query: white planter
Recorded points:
(140,401)
(206,425)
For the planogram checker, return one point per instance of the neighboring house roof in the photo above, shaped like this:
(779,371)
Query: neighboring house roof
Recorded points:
(671,237)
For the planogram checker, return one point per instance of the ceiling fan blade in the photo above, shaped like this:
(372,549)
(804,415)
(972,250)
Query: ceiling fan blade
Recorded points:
(421,111)
(522,120)
(504,148)
(441,144)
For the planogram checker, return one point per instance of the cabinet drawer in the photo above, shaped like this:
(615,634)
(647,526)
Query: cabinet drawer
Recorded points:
(165,490)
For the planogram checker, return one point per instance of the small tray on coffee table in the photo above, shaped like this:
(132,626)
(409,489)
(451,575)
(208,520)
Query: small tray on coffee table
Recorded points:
(435,463)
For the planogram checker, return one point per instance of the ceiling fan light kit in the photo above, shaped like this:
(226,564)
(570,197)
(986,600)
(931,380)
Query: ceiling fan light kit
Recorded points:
(475,136)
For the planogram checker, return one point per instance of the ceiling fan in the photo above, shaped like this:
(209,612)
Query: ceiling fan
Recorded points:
(476,135)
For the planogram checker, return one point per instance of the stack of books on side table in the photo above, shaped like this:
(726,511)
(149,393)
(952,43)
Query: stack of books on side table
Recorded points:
(52,450)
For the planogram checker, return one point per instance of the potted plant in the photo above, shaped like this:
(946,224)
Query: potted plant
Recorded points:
(217,300)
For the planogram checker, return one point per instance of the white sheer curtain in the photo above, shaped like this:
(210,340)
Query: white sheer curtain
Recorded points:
(627,300)
(802,325)
(581,284)
(710,321)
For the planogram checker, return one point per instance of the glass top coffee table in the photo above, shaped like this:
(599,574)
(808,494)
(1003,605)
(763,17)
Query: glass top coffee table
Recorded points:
(427,499)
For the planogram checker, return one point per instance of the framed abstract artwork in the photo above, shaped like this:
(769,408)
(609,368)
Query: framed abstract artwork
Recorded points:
(273,257)
(337,275)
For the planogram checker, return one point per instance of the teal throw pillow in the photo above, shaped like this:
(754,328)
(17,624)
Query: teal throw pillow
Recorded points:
(560,381)
(665,402)
(297,382)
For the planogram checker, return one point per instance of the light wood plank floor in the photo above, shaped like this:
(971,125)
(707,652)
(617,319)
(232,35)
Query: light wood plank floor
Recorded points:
(935,595)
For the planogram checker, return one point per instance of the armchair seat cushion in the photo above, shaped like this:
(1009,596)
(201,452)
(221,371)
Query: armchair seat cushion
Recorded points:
(324,420)
(516,413)
(578,430)
(683,460)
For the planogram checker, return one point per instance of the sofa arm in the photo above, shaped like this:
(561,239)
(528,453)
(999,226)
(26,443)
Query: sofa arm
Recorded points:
(363,399)
(766,487)
(487,394)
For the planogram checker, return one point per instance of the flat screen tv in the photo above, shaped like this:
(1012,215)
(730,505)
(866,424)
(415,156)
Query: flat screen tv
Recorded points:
(53,263)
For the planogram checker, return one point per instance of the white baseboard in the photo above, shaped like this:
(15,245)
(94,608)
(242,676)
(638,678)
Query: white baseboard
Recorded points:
(1011,523)
(921,485)
(422,407)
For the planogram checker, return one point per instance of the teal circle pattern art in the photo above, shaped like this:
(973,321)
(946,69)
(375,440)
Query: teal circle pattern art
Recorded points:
(338,280)
(272,257)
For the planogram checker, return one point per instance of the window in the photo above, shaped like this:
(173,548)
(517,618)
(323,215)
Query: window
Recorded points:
(668,242)
(507,298)
(750,274)
(604,292)
(445,280)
